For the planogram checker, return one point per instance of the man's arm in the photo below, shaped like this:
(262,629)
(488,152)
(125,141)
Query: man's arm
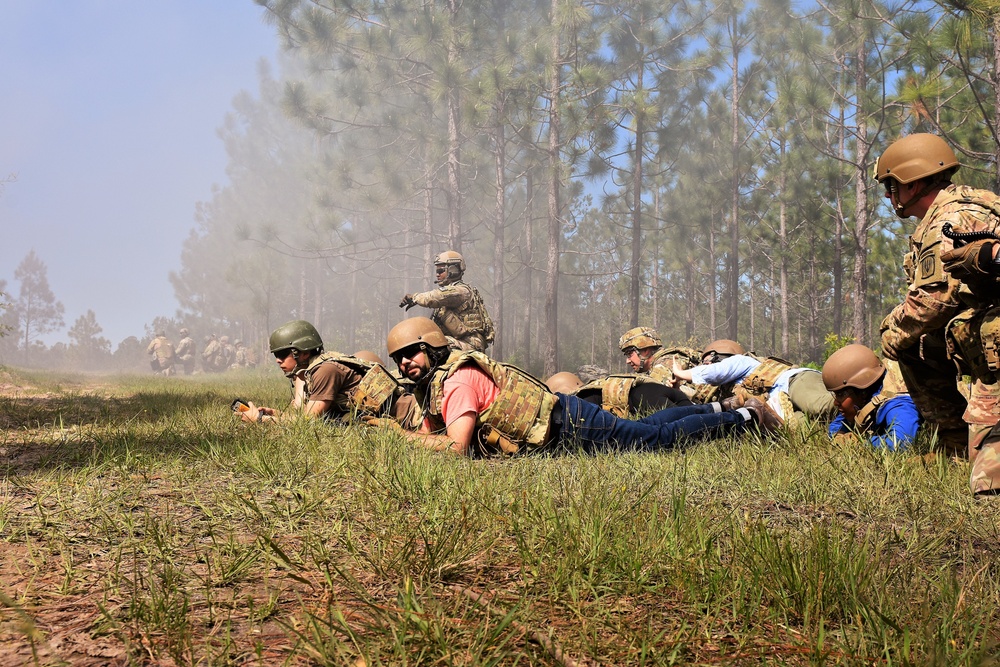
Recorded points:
(457,437)
(449,296)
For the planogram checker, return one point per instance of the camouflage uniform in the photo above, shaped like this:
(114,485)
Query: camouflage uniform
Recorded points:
(185,353)
(973,334)
(917,328)
(162,352)
(211,356)
(460,312)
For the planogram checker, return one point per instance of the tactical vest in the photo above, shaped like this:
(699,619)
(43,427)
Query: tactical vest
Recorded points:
(615,390)
(470,318)
(761,380)
(518,418)
(371,396)
(185,348)
(892,381)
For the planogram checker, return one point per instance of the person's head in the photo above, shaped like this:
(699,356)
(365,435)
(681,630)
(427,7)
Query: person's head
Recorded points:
(417,345)
(564,382)
(720,349)
(449,267)
(369,356)
(294,343)
(639,345)
(913,169)
(237,343)
(161,334)
(184,331)
(224,339)
(853,374)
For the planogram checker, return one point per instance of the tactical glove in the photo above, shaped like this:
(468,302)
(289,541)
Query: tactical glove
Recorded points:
(407,302)
(972,260)
(387,422)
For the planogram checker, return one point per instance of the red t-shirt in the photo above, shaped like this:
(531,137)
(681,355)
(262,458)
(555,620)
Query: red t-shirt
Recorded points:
(469,389)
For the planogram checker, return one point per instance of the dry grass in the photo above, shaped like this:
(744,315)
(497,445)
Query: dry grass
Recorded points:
(141,524)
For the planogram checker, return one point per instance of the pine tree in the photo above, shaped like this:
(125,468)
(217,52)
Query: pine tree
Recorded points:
(37,310)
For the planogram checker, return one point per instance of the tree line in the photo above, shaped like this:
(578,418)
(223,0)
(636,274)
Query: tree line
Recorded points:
(700,167)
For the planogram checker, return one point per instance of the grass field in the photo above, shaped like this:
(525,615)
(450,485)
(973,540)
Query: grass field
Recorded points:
(141,524)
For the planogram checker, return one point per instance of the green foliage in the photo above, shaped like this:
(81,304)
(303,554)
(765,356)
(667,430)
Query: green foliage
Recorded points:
(832,342)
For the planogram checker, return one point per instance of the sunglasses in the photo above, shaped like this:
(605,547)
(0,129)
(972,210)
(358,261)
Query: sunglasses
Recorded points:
(281,355)
(408,352)
(441,269)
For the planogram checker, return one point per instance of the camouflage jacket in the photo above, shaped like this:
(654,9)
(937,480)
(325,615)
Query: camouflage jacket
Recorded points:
(933,296)
(460,312)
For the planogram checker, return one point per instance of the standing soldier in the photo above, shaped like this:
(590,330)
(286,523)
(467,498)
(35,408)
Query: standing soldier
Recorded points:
(211,356)
(161,352)
(458,307)
(242,357)
(916,172)
(185,351)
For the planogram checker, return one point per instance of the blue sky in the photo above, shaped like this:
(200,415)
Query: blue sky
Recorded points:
(108,121)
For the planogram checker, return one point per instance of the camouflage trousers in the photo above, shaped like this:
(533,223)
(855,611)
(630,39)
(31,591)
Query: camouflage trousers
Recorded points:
(983,416)
(931,380)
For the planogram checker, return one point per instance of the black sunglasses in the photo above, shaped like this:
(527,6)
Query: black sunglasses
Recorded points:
(281,355)
(409,352)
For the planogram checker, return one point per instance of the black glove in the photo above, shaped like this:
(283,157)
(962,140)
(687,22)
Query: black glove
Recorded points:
(407,302)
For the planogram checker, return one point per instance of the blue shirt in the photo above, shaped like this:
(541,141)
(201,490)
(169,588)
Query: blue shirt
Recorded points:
(735,369)
(895,426)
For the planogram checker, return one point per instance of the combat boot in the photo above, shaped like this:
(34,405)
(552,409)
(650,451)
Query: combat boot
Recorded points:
(766,418)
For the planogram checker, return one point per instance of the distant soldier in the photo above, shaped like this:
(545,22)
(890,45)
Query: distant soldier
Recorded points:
(228,353)
(645,355)
(211,356)
(871,399)
(161,352)
(332,385)
(185,351)
(242,356)
(458,307)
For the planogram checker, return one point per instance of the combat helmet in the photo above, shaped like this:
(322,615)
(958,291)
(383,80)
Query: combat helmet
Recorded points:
(564,382)
(184,331)
(640,338)
(914,157)
(723,347)
(297,335)
(412,331)
(852,366)
(369,356)
(454,267)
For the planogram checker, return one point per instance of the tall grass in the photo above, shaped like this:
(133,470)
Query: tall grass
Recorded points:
(142,524)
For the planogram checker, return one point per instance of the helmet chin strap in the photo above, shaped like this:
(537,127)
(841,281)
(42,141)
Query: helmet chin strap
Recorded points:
(901,206)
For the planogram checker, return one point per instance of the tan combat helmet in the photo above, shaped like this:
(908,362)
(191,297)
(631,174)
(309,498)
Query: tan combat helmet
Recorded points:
(914,157)
(722,348)
(412,331)
(640,338)
(184,331)
(369,356)
(564,382)
(454,267)
(852,366)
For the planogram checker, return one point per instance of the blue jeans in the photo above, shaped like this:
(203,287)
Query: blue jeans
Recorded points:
(586,426)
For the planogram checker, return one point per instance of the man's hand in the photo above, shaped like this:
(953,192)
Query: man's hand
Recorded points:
(892,343)
(972,260)
(407,301)
(386,422)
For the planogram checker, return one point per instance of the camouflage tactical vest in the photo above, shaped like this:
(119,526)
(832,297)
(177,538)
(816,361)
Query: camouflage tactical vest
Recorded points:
(519,416)
(468,319)
(892,386)
(761,380)
(615,391)
(372,394)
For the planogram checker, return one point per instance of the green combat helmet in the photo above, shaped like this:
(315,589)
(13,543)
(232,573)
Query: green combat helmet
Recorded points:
(298,335)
